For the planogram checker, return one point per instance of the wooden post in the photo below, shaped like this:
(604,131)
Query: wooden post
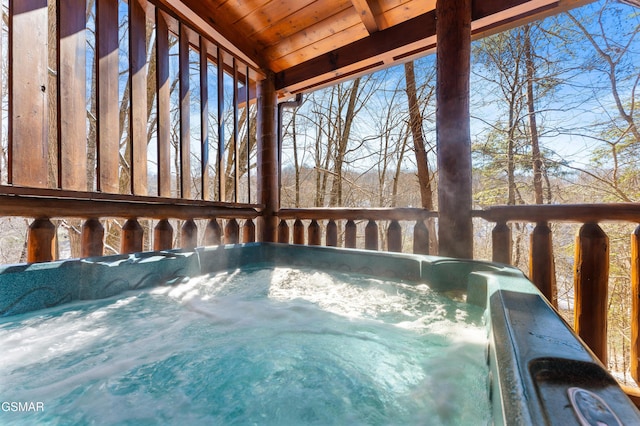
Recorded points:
(248,231)
(138,96)
(185,113)
(267,162)
(542,269)
(371,236)
(40,240)
(212,233)
(350,234)
(501,243)
(189,234)
(232,232)
(635,305)
(283,232)
(298,232)
(332,233)
(313,232)
(131,237)
(163,235)
(92,238)
(394,236)
(163,99)
(420,238)
(590,285)
(453,29)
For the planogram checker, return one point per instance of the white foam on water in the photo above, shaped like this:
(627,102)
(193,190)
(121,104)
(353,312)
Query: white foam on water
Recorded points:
(267,346)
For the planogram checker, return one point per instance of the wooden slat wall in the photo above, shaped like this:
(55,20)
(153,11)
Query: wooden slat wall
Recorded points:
(138,81)
(163,102)
(185,102)
(107,92)
(28,148)
(72,133)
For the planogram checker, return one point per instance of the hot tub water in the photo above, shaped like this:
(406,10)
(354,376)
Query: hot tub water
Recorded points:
(265,346)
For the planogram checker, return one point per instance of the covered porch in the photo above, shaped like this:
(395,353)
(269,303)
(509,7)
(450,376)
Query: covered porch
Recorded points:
(242,63)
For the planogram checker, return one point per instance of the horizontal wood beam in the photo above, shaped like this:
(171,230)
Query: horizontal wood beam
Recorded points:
(55,203)
(581,213)
(382,213)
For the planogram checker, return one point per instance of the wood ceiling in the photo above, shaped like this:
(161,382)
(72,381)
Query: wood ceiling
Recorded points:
(313,43)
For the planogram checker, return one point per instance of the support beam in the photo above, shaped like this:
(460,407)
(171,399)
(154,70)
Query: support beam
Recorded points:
(268,167)
(366,15)
(453,26)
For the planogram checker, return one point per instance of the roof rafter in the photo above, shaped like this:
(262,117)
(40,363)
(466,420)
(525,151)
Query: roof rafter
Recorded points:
(365,11)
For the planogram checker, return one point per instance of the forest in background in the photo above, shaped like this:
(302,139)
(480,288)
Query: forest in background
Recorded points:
(554,120)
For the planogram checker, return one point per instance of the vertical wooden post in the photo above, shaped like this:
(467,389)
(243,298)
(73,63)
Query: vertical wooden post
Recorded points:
(298,232)
(131,237)
(222,178)
(453,28)
(92,238)
(371,236)
(590,285)
(332,234)
(420,238)
(185,113)
(138,97)
(501,243)
(313,233)
(212,233)
(40,240)
(163,235)
(204,119)
(28,92)
(635,305)
(107,107)
(267,163)
(163,87)
(283,232)
(350,234)
(232,232)
(72,80)
(248,232)
(542,269)
(189,234)
(394,236)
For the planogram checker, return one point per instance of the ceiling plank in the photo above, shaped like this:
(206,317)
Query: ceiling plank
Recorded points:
(366,15)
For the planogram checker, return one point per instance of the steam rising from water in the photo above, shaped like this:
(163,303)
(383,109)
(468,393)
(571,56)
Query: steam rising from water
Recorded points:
(266,346)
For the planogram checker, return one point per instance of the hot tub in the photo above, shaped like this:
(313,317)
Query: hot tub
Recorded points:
(281,334)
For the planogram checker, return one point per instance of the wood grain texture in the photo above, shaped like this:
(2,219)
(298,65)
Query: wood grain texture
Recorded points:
(138,83)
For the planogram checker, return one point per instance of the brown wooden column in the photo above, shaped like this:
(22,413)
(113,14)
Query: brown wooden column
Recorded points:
(298,232)
(189,234)
(248,231)
(591,275)
(394,236)
(542,269)
(40,241)
(350,234)
(453,27)
(501,243)
(313,233)
(232,232)
(131,237)
(163,235)
(267,163)
(420,238)
(283,232)
(212,233)
(371,235)
(635,305)
(332,233)
(92,238)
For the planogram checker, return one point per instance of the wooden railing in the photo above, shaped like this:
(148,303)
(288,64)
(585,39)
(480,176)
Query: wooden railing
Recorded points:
(591,263)
(350,216)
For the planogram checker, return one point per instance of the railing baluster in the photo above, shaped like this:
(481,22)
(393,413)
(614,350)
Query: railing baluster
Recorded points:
(163,235)
(635,305)
(131,237)
(212,233)
(248,232)
(92,238)
(283,232)
(40,241)
(542,269)
(420,238)
(189,234)
(313,232)
(371,235)
(332,233)
(232,232)
(394,236)
(350,233)
(501,243)
(298,232)
(590,285)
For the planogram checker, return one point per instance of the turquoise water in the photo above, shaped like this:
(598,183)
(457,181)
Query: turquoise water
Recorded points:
(267,346)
